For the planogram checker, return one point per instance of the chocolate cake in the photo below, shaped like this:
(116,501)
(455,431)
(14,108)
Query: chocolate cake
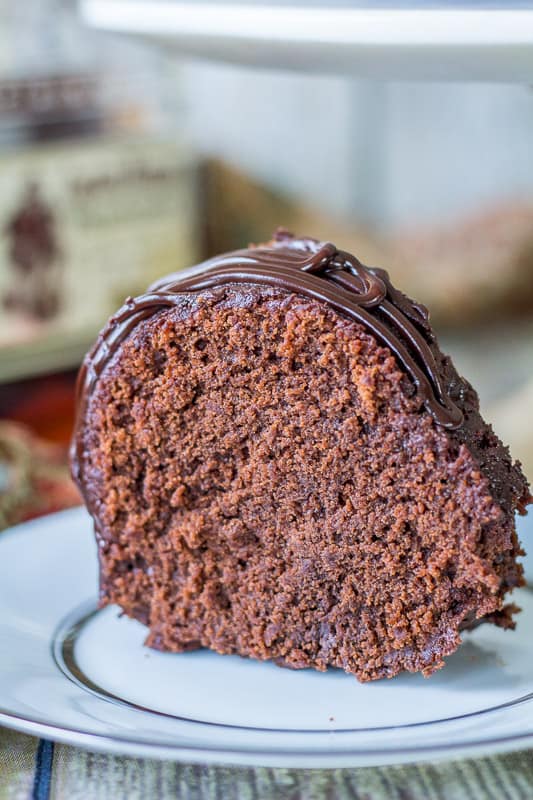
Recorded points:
(281,463)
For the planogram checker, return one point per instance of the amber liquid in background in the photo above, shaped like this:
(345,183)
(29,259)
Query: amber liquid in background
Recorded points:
(45,404)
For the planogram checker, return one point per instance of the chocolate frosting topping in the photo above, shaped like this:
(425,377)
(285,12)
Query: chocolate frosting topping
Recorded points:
(305,266)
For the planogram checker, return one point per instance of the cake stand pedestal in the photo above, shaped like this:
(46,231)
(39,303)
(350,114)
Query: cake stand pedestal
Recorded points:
(467,41)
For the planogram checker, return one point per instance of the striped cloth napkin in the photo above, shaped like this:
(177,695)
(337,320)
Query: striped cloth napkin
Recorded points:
(33,769)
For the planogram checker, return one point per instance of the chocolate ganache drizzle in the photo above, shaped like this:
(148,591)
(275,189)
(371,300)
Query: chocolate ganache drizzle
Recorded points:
(305,266)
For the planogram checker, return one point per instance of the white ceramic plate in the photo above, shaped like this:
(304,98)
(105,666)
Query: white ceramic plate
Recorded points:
(79,676)
(417,40)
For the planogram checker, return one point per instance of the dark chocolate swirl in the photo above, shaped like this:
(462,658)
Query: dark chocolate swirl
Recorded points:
(305,266)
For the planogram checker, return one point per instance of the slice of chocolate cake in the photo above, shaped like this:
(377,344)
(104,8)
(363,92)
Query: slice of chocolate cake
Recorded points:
(281,463)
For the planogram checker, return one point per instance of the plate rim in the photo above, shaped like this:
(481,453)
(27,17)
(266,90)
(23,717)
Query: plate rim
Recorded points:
(118,745)
(72,623)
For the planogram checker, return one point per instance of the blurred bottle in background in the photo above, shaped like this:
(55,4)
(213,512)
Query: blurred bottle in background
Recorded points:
(98,196)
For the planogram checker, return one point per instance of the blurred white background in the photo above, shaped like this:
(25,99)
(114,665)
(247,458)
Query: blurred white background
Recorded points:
(392,154)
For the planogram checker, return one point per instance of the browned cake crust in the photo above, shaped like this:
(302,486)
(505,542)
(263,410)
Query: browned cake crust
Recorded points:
(265,481)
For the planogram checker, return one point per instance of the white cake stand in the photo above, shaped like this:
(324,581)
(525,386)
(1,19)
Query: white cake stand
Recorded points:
(483,41)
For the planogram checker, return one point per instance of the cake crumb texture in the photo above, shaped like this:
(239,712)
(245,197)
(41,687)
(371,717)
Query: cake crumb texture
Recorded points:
(265,481)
